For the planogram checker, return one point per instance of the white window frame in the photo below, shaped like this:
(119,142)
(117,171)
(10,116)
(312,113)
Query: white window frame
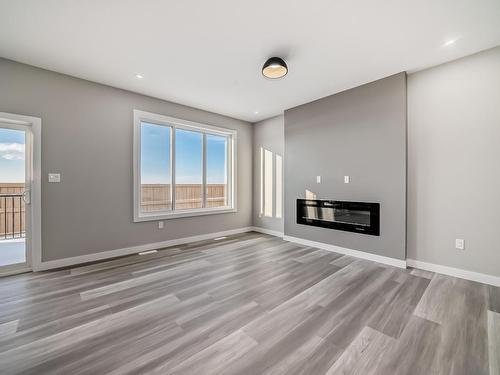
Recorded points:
(175,123)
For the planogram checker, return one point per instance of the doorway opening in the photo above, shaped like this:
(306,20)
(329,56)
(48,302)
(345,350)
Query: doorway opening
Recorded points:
(19,193)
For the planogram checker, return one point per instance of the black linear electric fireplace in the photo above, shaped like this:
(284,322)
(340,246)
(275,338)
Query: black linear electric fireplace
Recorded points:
(360,217)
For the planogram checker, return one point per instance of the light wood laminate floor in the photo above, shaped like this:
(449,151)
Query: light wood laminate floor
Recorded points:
(247,304)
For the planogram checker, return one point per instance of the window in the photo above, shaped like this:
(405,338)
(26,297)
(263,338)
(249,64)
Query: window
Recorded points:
(279,186)
(271,184)
(268,183)
(261,181)
(181,168)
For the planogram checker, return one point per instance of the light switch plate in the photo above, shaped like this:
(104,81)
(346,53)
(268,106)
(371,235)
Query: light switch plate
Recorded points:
(318,179)
(459,244)
(161,225)
(347,179)
(54,177)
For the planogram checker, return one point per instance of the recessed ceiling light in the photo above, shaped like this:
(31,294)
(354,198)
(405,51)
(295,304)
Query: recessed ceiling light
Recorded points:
(140,76)
(256,112)
(275,67)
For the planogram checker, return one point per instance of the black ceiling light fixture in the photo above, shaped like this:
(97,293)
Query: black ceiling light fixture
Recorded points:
(274,68)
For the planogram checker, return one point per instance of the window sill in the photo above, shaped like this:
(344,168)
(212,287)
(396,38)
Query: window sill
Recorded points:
(154,216)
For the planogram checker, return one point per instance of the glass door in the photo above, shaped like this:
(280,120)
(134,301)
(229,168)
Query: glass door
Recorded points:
(15,167)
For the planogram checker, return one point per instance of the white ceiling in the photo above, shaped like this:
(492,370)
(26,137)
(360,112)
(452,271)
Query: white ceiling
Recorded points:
(208,54)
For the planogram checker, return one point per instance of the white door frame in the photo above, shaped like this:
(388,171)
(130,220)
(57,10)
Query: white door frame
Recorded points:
(34,237)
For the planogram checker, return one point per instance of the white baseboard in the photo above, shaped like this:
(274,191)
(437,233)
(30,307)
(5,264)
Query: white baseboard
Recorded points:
(14,271)
(445,270)
(343,250)
(268,231)
(456,272)
(65,262)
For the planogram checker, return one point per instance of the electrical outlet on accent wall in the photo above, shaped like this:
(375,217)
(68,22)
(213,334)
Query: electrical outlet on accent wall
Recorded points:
(459,244)
(161,225)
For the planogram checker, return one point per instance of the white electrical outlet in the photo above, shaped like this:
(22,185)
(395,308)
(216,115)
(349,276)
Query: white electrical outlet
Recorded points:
(459,244)
(347,179)
(318,179)
(54,177)
(161,225)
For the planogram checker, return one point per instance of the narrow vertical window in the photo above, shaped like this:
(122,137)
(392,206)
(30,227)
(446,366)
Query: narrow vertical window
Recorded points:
(261,195)
(268,183)
(188,169)
(279,186)
(156,177)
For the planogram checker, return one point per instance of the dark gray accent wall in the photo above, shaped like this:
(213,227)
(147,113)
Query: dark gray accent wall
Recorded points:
(360,133)
(87,137)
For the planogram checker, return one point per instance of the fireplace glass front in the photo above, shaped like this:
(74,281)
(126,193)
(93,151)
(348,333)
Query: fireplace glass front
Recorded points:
(359,217)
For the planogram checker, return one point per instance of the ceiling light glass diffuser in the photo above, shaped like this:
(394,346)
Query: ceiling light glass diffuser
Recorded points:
(274,67)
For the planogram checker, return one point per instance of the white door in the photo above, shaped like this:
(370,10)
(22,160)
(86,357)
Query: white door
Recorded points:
(17,219)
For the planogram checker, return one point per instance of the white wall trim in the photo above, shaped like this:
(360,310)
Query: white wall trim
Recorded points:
(65,262)
(7,271)
(268,231)
(456,272)
(343,250)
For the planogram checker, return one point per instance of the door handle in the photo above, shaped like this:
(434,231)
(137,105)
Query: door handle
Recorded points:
(27,196)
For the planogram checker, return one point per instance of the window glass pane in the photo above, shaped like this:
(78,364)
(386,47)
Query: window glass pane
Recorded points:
(279,186)
(268,183)
(216,171)
(155,168)
(12,186)
(188,169)
(261,192)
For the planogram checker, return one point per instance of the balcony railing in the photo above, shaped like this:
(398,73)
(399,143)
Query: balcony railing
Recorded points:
(12,220)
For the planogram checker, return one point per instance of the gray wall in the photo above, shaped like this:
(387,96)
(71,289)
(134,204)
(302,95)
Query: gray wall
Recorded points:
(268,134)
(361,133)
(87,136)
(454,163)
